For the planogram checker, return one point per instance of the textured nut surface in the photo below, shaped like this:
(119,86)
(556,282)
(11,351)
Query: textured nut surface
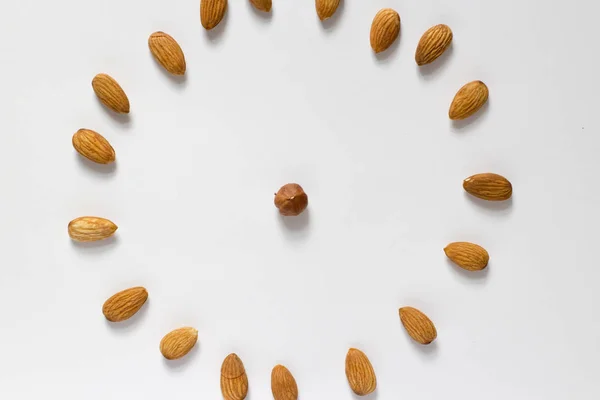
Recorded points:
(360,373)
(384,29)
(167,53)
(418,325)
(433,43)
(234,381)
(326,8)
(262,5)
(283,384)
(110,93)
(124,304)
(469,256)
(468,100)
(291,200)
(178,343)
(212,12)
(488,186)
(93,146)
(91,229)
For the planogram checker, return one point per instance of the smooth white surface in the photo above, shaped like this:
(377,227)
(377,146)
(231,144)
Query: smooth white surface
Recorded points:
(284,98)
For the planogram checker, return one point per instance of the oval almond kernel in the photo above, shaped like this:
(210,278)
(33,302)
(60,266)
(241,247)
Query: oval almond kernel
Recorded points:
(212,12)
(110,93)
(326,8)
(418,325)
(384,29)
(91,229)
(262,5)
(360,373)
(93,146)
(167,53)
(468,100)
(467,255)
(178,343)
(234,381)
(283,384)
(433,43)
(125,304)
(488,186)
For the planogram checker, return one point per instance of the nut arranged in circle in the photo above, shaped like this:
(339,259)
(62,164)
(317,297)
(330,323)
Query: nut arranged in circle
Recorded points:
(384,29)
(468,100)
(91,229)
(469,256)
(418,325)
(234,381)
(488,186)
(167,53)
(110,93)
(212,12)
(178,343)
(283,384)
(125,304)
(360,373)
(326,8)
(433,43)
(93,146)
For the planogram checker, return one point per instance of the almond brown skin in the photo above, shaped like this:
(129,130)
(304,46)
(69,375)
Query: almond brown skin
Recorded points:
(178,343)
(468,100)
(93,146)
(110,93)
(91,229)
(384,29)
(125,304)
(291,200)
(468,256)
(433,43)
(262,5)
(360,373)
(418,325)
(212,12)
(167,53)
(326,8)
(234,381)
(283,384)
(488,186)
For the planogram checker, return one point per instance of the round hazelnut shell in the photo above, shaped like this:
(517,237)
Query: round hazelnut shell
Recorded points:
(291,200)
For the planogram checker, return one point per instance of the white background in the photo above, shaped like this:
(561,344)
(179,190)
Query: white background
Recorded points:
(284,98)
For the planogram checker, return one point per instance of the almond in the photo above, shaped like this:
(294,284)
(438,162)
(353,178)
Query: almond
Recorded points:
(178,343)
(167,52)
(283,384)
(467,255)
(360,373)
(262,5)
(418,325)
(91,229)
(433,43)
(488,186)
(384,29)
(468,100)
(234,382)
(212,12)
(93,146)
(125,304)
(326,8)
(110,93)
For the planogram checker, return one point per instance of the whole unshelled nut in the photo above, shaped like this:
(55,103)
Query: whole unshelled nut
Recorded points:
(291,200)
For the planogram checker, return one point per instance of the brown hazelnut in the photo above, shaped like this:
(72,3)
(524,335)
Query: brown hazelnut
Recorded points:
(291,200)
